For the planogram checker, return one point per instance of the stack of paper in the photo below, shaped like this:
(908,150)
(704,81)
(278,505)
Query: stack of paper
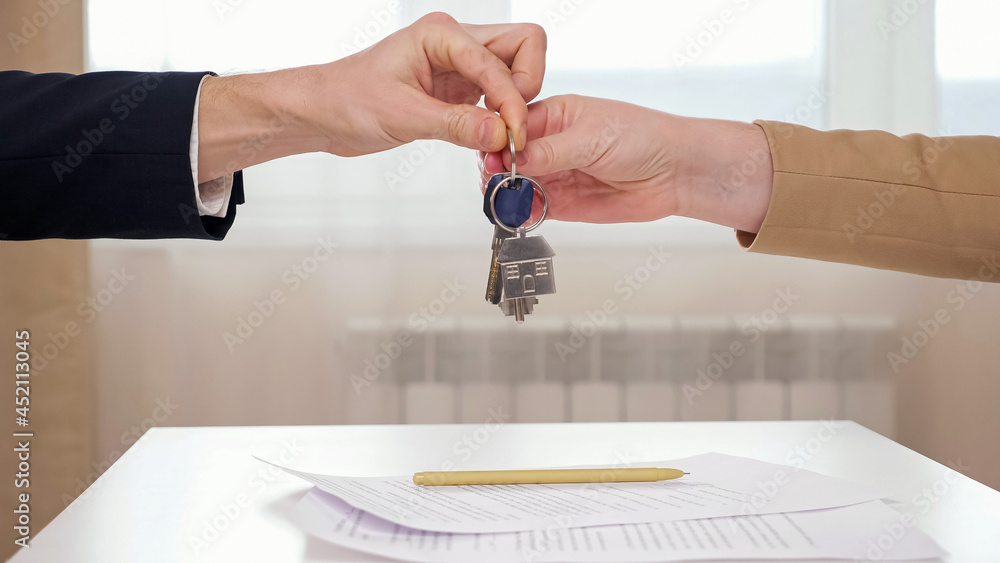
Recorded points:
(727,508)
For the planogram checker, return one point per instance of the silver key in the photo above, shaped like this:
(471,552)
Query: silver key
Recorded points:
(526,269)
(519,307)
(522,266)
(494,285)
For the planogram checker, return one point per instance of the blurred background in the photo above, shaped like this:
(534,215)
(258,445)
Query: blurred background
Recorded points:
(660,321)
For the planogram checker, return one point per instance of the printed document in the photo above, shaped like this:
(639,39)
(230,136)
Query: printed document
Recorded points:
(718,485)
(870,531)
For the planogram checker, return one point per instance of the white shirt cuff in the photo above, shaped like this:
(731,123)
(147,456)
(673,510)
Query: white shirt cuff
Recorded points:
(212,196)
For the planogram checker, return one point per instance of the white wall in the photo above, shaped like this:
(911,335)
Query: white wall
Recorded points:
(163,336)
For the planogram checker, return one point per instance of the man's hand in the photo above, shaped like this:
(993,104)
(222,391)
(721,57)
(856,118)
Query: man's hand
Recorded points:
(421,82)
(424,81)
(603,161)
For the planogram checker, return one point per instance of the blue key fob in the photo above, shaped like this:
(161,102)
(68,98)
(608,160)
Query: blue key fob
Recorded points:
(513,202)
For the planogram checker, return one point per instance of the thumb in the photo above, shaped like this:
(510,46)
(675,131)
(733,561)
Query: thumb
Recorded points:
(554,153)
(465,125)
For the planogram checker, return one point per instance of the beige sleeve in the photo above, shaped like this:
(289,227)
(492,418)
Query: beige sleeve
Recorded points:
(916,204)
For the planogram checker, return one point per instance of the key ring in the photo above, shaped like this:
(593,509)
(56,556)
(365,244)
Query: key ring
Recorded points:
(509,179)
(513,153)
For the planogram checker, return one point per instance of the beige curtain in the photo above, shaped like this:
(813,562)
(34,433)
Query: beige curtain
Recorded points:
(41,285)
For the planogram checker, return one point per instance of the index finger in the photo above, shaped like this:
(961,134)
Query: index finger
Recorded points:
(521,47)
(452,48)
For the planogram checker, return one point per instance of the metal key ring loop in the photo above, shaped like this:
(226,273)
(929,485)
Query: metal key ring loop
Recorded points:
(513,153)
(493,204)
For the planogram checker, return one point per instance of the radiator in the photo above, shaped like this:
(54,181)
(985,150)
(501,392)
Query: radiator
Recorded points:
(471,370)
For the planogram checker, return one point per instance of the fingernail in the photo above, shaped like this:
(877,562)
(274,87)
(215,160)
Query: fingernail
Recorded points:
(486,134)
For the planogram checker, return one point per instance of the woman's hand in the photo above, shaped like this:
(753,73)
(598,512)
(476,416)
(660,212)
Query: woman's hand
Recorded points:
(603,161)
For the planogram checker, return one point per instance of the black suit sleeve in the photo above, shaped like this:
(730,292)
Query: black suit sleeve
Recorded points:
(101,155)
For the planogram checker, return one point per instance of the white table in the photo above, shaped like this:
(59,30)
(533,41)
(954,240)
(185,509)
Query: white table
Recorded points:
(175,484)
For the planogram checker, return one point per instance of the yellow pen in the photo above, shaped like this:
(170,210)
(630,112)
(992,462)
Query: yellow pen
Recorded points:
(537,476)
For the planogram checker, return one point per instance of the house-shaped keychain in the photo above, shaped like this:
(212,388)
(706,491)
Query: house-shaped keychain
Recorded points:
(526,267)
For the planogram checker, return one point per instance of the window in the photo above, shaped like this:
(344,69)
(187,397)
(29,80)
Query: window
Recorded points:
(726,59)
(730,59)
(968,66)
